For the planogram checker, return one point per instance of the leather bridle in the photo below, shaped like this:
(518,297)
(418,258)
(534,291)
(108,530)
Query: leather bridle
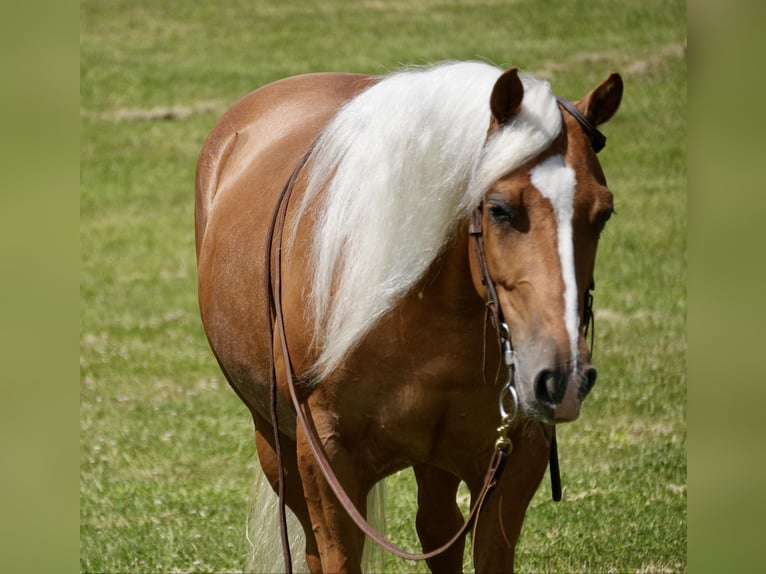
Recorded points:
(494,309)
(503,446)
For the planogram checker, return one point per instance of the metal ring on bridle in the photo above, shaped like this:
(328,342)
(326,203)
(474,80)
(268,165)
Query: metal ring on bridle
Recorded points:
(508,417)
(505,343)
(505,332)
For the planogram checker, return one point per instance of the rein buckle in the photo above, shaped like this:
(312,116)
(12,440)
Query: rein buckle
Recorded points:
(503,443)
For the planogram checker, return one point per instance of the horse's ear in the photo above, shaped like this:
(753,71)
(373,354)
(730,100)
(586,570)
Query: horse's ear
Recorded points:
(506,97)
(602,103)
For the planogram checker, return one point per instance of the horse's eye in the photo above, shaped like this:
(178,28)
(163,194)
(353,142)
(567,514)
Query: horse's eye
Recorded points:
(501,213)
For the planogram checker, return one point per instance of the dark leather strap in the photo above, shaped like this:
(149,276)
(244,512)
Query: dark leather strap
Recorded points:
(554,468)
(597,139)
(476,233)
(272,308)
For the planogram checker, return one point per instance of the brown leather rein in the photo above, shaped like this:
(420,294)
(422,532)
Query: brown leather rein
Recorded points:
(503,446)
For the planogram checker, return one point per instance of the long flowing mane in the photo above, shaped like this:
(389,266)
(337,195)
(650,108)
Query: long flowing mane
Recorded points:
(392,176)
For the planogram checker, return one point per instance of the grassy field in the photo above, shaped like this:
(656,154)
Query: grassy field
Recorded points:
(166,450)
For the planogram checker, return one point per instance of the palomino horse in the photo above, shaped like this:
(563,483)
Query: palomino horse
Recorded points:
(382,293)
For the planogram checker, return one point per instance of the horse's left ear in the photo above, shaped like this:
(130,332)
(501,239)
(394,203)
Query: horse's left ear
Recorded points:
(506,97)
(602,103)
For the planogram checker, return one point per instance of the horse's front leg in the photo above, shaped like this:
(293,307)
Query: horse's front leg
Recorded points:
(339,540)
(499,524)
(439,517)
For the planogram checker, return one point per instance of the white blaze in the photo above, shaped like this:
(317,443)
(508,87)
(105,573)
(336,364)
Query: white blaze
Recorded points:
(556,181)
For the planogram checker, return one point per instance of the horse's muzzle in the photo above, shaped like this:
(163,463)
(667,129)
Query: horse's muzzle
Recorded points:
(560,394)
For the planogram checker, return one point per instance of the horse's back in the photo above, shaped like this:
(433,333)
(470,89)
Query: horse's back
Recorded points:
(281,117)
(242,167)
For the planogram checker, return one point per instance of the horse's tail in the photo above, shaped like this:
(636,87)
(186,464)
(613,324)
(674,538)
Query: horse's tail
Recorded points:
(263,531)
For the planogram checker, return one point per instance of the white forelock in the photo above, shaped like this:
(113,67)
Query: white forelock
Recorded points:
(402,164)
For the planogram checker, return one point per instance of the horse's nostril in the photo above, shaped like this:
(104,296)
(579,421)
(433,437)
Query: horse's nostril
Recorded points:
(541,387)
(587,384)
(546,387)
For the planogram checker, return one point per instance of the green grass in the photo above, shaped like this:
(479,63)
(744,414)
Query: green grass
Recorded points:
(166,448)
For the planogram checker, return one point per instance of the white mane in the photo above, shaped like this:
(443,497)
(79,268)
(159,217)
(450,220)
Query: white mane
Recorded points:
(403,163)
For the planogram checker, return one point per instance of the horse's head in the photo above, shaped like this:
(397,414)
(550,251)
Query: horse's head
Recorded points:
(541,224)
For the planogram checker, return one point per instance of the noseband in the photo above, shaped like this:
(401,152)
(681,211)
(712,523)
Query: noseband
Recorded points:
(503,446)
